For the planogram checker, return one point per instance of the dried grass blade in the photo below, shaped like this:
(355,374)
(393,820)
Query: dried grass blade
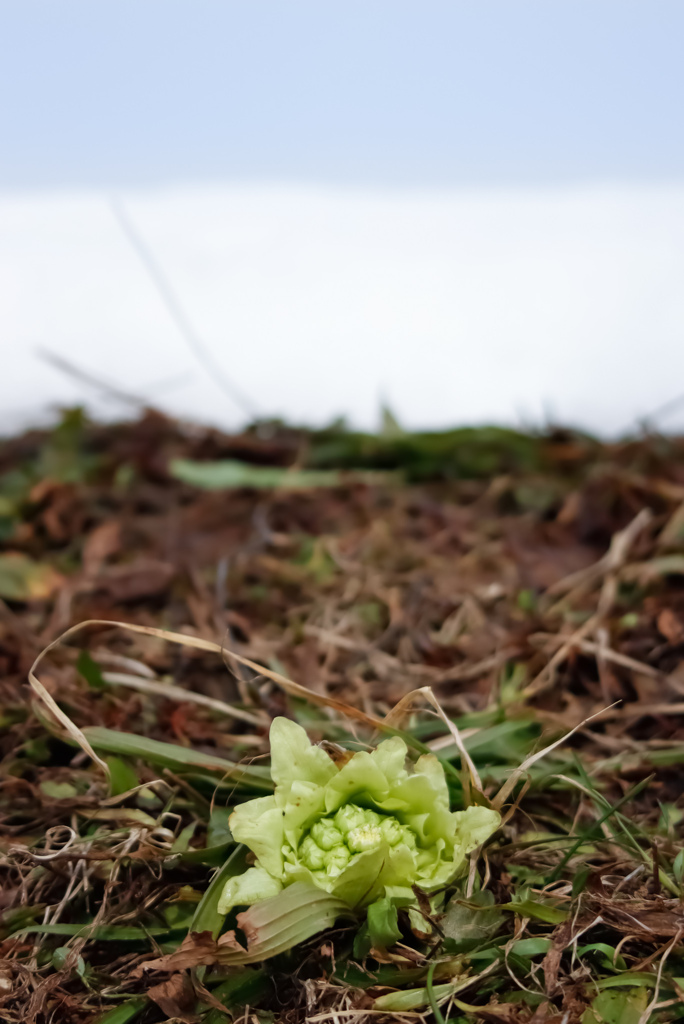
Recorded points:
(403,708)
(288,685)
(56,712)
(510,783)
(170,692)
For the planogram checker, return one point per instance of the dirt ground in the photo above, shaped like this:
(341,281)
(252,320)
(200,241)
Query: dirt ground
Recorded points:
(531,582)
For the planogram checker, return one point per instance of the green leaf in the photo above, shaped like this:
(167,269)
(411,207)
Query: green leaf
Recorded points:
(416,998)
(382,923)
(617,1007)
(63,957)
(228,474)
(579,881)
(178,915)
(178,759)
(15,918)
(58,790)
(245,988)
(90,670)
(506,741)
(594,831)
(272,926)
(124,1013)
(283,921)
(122,777)
(96,933)
(182,840)
(207,917)
(670,817)
(538,911)
(629,979)
(678,867)
(22,579)
(468,923)
(213,856)
(467,452)
(390,427)
(606,958)
(118,814)
(218,831)
(531,947)
(362,943)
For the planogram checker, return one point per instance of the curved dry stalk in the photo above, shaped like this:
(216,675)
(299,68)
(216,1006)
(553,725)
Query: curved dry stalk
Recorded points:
(158,688)
(288,685)
(510,783)
(404,706)
(55,711)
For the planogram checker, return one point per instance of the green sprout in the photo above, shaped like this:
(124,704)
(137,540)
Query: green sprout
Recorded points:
(365,831)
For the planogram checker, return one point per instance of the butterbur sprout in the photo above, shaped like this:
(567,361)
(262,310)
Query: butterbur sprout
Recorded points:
(365,831)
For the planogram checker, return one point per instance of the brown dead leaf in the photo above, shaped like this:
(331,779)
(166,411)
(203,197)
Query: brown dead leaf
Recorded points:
(647,920)
(338,755)
(43,489)
(496,1013)
(673,532)
(560,938)
(145,577)
(176,997)
(198,949)
(670,626)
(103,542)
(546,1014)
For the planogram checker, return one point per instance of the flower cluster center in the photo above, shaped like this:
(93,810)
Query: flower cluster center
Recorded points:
(332,842)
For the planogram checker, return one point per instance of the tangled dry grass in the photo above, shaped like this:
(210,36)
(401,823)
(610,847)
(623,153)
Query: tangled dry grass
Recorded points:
(534,585)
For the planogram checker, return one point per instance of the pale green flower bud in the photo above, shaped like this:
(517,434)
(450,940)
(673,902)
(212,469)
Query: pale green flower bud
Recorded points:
(351,817)
(384,828)
(365,837)
(393,832)
(326,834)
(311,855)
(336,861)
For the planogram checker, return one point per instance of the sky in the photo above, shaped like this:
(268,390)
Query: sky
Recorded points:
(409,92)
(472,210)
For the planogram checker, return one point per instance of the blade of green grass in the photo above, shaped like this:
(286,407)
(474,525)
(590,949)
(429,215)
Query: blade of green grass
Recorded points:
(538,911)
(178,759)
(98,933)
(594,832)
(229,474)
(247,987)
(124,1013)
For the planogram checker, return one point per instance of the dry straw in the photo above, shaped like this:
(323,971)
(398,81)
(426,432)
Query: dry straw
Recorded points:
(390,723)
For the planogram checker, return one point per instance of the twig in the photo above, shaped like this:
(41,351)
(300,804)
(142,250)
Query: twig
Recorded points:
(158,688)
(178,314)
(608,566)
(71,370)
(589,647)
(545,677)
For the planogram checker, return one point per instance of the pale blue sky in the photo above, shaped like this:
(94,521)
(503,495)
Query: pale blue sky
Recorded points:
(371,92)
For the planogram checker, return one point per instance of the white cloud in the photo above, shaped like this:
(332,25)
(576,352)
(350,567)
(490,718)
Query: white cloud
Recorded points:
(459,307)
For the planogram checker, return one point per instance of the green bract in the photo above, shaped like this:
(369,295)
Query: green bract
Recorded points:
(364,831)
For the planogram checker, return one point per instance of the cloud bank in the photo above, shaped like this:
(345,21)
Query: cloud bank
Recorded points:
(460,306)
